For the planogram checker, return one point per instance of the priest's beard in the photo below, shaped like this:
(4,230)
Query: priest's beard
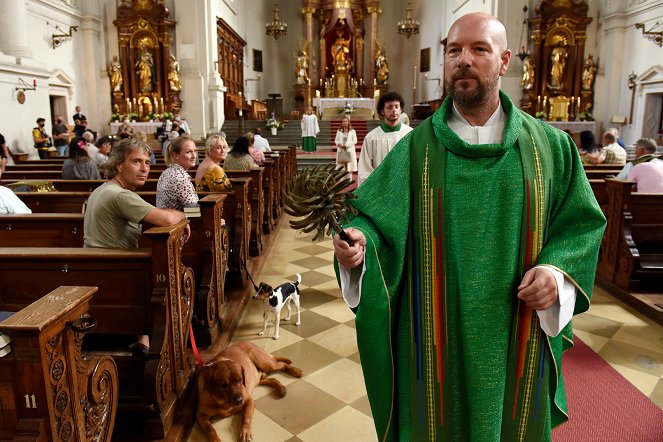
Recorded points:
(471,98)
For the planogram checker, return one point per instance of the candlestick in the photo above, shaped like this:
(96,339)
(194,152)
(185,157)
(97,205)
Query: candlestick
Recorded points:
(135,104)
(163,108)
(545,102)
(538,103)
(156,106)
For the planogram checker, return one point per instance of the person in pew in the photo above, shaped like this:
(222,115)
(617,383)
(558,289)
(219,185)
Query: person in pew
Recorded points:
(125,130)
(259,141)
(4,154)
(239,157)
(612,153)
(88,136)
(475,242)
(645,150)
(79,165)
(256,154)
(174,188)
(11,204)
(210,176)
(104,146)
(114,211)
(589,151)
(142,136)
(648,176)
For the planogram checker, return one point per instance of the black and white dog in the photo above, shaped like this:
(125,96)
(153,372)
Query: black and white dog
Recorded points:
(275,299)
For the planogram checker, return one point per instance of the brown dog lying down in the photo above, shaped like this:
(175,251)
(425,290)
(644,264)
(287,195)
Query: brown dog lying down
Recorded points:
(226,382)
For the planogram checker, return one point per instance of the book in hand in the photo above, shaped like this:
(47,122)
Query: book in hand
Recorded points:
(192,211)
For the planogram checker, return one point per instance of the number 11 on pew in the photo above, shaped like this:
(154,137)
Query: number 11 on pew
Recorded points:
(30,401)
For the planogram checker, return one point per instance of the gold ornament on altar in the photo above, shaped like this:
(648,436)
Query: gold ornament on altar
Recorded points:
(381,65)
(588,73)
(527,80)
(558,58)
(115,74)
(174,74)
(301,64)
(144,69)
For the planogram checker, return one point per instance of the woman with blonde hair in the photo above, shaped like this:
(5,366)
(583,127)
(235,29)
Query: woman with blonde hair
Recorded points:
(346,139)
(174,188)
(210,176)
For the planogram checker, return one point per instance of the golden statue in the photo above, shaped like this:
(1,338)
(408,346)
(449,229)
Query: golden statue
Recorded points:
(174,74)
(340,50)
(115,74)
(381,65)
(527,80)
(588,73)
(558,58)
(145,65)
(301,65)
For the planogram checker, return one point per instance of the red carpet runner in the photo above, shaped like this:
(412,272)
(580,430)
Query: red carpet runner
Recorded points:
(603,406)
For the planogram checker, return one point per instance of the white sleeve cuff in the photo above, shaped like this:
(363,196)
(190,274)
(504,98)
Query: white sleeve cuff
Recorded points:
(351,280)
(554,318)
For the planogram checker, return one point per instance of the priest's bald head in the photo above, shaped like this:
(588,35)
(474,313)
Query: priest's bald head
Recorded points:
(475,57)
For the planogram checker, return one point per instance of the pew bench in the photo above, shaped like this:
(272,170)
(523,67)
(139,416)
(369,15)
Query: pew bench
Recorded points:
(632,247)
(50,389)
(146,291)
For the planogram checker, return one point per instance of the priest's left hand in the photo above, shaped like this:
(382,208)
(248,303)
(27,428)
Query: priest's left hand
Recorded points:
(538,289)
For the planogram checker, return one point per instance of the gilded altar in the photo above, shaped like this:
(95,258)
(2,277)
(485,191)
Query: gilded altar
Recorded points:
(145,75)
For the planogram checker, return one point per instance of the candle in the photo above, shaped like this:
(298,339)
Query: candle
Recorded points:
(414,86)
(361,81)
(545,102)
(240,104)
(375,82)
(135,103)
(317,94)
(156,106)
(163,108)
(34,82)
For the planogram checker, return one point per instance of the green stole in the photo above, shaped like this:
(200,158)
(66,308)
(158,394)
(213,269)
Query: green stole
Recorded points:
(405,413)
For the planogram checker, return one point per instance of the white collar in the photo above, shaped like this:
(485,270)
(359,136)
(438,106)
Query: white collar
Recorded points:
(490,133)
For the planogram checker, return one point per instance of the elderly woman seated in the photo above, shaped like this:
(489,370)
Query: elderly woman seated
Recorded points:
(210,176)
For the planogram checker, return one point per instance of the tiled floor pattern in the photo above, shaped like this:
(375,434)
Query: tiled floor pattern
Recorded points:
(329,403)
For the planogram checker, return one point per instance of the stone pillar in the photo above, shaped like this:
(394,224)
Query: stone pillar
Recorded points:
(308,29)
(14,29)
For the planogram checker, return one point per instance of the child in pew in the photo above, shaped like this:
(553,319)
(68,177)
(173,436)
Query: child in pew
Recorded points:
(114,211)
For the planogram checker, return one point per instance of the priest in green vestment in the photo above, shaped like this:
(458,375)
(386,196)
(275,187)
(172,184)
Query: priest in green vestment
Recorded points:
(475,242)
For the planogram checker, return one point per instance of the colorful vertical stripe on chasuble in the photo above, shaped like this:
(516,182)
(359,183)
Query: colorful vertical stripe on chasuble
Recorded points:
(428,324)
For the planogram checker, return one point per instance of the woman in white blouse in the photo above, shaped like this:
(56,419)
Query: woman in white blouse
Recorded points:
(346,139)
(174,188)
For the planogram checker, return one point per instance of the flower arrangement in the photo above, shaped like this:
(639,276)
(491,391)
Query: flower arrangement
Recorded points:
(132,116)
(272,121)
(116,117)
(540,115)
(586,116)
(348,109)
(168,116)
(152,116)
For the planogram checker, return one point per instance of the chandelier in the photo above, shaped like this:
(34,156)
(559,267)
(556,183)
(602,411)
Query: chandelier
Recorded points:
(524,42)
(276,27)
(408,26)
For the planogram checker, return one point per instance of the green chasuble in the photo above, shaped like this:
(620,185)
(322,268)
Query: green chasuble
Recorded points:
(448,351)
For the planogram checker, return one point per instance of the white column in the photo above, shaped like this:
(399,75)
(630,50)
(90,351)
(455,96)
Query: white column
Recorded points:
(14,29)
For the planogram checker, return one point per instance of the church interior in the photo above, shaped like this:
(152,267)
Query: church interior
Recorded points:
(233,66)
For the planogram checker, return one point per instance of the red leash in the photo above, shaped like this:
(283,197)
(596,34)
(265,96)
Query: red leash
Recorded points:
(194,347)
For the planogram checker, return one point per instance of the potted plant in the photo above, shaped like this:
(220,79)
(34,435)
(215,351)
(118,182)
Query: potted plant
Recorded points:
(274,124)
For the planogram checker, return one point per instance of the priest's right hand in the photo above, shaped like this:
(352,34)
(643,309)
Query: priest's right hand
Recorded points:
(350,256)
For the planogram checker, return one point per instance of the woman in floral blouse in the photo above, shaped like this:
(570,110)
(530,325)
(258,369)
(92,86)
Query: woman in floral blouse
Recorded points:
(210,177)
(174,188)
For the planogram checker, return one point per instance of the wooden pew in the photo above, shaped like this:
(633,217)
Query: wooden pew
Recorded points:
(632,247)
(269,190)
(236,212)
(141,292)
(257,200)
(50,390)
(600,193)
(599,174)
(206,252)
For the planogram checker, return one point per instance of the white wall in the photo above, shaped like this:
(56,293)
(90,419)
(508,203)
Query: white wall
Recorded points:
(72,71)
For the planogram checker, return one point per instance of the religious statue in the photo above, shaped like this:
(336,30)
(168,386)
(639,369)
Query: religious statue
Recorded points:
(174,74)
(588,73)
(340,50)
(558,58)
(381,65)
(115,74)
(301,65)
(145,66)
(527,80)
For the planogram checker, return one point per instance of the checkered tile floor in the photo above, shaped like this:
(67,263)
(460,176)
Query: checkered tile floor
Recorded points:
(329,403)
